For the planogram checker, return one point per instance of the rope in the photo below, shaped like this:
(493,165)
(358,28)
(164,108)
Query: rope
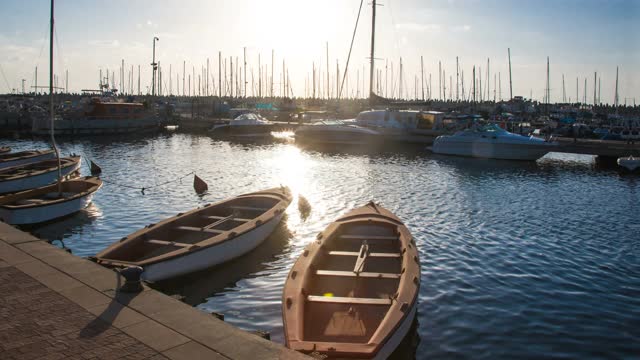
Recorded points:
(353,37)
(142,189)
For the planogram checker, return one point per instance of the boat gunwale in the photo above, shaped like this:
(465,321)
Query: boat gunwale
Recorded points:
(282,194)
(21,155)
(294,295)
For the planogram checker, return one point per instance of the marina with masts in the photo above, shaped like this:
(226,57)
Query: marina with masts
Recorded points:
(336,207)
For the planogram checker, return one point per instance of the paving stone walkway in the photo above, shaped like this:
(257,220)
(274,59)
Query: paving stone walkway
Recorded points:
(38,323)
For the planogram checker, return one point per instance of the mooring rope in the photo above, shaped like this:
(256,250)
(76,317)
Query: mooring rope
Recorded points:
(143,188)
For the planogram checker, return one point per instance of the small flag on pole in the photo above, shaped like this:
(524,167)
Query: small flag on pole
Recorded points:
(199,185)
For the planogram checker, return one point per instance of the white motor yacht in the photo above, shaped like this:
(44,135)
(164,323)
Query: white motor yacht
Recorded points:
(336,132)
(492,142)
(249,124)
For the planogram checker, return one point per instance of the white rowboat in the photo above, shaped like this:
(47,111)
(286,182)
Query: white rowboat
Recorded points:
(29,176)
(200,238)
(25,157)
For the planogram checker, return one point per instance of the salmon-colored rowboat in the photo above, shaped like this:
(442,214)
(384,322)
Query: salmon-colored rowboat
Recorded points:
(353,292)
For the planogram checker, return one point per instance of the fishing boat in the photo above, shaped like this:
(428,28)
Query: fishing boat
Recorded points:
(353,292)
(630,163)
(25,157)
(37,174)
(336,132)
(48,202)
(53,201)
(492,142)
(248,124)
(201,238)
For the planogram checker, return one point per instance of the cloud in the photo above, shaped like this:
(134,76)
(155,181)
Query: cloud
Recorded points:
(419,27)
(462,28)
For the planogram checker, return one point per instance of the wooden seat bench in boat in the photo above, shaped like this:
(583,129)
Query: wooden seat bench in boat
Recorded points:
(198,229)
(348,300)
(361,274)
(356,253)
(368,237)
(248,208)
(214,217)
(171,243)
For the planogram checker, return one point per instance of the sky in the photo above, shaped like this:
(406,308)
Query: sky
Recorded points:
(580,37)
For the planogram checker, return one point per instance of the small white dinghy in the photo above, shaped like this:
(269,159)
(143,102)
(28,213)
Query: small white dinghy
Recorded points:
(25,157)
(48,202)
(630,163)
(353,292)
(201,238)
(29,176)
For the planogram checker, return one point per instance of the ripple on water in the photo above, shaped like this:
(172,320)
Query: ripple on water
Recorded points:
(518,260)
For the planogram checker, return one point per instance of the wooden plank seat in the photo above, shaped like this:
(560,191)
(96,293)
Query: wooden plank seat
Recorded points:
(170,243)
(214,217)
(198,229)
(361,274)
(348,300)
(248,208)
(368,237)
(356,253)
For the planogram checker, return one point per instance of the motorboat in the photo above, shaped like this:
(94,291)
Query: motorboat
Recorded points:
(491,141)
(407,125)
(29,176)
(248,124)
(342,132)
(24,157)
(201,238)
(353,292)
(630,163)
(48,202)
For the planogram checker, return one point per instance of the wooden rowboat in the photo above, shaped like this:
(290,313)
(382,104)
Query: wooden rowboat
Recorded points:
(201,238)
(353,292)
(29,176)
(24,157)
(47,203)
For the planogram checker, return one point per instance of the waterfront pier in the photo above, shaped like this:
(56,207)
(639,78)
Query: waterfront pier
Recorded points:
(54,305)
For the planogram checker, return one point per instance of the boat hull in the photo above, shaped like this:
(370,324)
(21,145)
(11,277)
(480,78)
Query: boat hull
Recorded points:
(211,256)
(491,150)
(630,164)
(39,214)
(31,182)
(242,130)
(337,136)
(27,160)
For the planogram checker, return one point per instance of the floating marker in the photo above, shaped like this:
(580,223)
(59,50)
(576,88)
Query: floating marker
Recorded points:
(95,169)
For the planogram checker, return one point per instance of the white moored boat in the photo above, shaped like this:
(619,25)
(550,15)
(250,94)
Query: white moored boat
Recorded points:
(336,132)
(202,237)
(492,142)
(48,202)
(353,292)
(249,124)
(24,157)
(29,176)
(630,163)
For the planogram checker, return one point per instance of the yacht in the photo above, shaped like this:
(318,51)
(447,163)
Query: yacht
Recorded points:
(336,132)
(249,124)
(405,125)
(491,141)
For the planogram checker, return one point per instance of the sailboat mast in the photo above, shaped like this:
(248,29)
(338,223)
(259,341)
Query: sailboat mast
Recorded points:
(510,80)
(373,40)
(53,139)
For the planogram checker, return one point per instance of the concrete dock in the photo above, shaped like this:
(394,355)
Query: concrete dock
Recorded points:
(54,305)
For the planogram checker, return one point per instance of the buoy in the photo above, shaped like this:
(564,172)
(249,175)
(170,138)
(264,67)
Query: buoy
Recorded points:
(95,169)
(199,185)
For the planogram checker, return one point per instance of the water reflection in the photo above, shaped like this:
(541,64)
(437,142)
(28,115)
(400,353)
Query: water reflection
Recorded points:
(74,224)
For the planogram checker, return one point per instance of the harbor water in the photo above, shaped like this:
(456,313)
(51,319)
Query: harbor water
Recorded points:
(518,260)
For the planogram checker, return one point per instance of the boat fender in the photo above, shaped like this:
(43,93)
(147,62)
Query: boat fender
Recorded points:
(294,274)
(404,307)
(289,302)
